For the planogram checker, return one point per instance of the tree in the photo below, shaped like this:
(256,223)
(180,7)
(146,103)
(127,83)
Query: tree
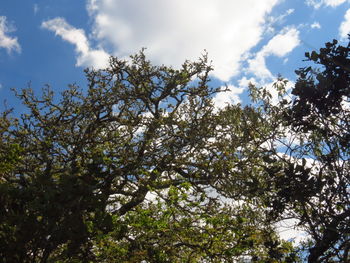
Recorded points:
(76,183)
(326,120)
(309,168)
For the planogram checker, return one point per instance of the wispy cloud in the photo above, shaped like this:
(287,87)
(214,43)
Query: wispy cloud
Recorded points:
(274,22)
(318,3)
(173,31)
(86,56)
(315,25)
(35,8)
(7,42)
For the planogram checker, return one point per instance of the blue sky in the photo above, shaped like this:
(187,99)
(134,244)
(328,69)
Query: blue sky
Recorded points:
(52,41)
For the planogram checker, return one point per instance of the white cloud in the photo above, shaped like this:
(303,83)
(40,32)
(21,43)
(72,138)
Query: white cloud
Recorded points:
(173,31)
(288,230)
(280,45)
(318,3)
(258,67)
(344,28)
(222,99)
(7,42)
(232,95)
(314,3)
(333,3)
(244,82)
(315,25)
(88,57)
(283,43)
(275,21)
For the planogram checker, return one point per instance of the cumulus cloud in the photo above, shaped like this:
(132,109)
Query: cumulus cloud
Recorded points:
(280,45)
(173,31)
(344,28)
(318,3)
(87,56)
(7,42)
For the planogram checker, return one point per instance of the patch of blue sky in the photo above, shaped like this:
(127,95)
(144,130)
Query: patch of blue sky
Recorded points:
(315,27)
(43,59)
(46,57)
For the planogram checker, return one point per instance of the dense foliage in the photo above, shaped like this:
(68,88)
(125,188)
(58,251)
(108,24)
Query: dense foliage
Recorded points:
(307,163)
(320,116)
(142,166)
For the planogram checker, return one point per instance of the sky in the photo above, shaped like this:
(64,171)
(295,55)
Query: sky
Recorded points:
(51,42)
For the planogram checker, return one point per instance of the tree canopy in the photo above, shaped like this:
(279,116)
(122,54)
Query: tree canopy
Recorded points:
(142,166)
